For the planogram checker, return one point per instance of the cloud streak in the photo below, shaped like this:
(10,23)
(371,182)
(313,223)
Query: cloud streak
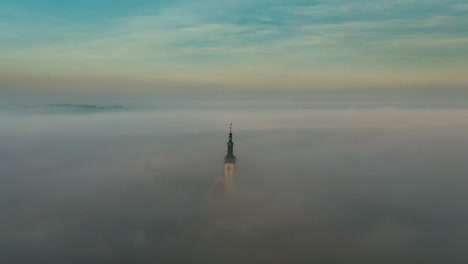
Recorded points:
(196,43)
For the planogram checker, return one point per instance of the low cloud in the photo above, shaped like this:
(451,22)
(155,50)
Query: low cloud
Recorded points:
(329,185)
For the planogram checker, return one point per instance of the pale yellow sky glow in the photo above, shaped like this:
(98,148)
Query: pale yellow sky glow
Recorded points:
(322,46)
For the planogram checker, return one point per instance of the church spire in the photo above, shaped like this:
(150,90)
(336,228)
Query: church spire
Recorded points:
(230,158)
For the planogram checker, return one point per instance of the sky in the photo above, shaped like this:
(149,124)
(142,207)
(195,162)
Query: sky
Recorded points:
(349,122)
(177,46)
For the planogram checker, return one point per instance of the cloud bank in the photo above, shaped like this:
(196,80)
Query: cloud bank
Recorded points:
(314,185)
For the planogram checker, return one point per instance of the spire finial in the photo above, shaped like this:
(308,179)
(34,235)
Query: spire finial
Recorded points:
(230,128)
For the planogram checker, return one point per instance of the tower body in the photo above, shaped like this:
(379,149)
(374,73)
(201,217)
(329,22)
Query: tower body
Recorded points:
(228,178)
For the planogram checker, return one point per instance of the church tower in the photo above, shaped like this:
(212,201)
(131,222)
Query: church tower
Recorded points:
(224,185)
(229,166)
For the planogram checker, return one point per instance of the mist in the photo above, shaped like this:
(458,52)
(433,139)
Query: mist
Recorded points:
(330,183)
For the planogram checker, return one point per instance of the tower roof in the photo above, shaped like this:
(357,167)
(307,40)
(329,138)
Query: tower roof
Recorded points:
(230,158)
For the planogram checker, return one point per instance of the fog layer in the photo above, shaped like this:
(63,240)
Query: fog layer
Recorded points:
(314,185)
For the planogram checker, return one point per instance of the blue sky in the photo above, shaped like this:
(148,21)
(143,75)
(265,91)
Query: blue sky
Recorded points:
(254,44)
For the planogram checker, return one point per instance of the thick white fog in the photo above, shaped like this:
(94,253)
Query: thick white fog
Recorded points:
(84,184)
